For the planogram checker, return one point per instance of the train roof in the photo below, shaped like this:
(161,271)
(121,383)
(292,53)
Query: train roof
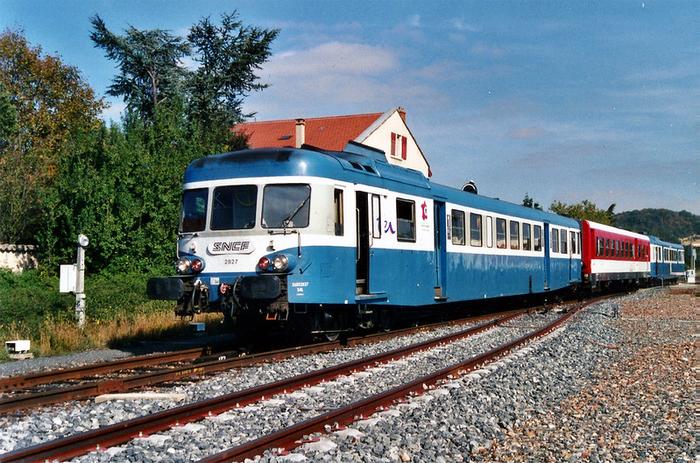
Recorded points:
(356,164)
(611,229)
(659,242)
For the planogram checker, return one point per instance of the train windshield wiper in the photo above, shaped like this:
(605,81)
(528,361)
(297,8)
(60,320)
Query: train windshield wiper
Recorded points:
(288,219)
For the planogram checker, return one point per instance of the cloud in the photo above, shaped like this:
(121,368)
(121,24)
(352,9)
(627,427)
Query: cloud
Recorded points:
(341,78)
(336,57)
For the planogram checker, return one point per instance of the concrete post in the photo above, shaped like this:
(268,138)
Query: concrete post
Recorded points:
(80,281)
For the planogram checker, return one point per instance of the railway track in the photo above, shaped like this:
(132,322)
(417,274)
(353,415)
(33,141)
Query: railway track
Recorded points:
(201,364)
(286,438)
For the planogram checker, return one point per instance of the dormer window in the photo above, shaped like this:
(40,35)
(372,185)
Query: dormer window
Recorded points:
(398,146)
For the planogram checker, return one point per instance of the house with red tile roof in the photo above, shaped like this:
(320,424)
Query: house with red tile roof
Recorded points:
(387,132)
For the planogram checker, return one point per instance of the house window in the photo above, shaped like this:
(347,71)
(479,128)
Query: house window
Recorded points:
(458,227)
(405,220)
(399,145)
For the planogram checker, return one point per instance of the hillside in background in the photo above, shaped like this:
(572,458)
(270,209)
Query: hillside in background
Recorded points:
(666,224)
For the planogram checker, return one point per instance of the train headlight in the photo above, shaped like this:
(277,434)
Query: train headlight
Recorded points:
(197,265)
(264,263)
(183,265)
(280,263)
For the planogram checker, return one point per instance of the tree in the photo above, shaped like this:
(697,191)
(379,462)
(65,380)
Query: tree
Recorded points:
(529,202)
(52,104)
(149,62)
(151,72)
(228,56)
(585,210)
(8,118)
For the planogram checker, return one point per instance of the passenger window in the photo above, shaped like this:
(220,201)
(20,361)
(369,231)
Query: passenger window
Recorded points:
(514,234)
(405,220)
(527,244)
(573,242)
(608,248)
(376,217)
(564,247)
(538,238)
(598,246)
(555,240)
(338,210)
(489,231)
(458,227)
(475,229)
(501,233)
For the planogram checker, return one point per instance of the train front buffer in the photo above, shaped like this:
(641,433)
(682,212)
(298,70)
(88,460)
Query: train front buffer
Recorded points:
(230,276)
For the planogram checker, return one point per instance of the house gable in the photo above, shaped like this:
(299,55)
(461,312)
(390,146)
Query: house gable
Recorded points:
(387,132)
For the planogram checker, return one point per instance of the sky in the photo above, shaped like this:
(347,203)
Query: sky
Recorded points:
(562,100)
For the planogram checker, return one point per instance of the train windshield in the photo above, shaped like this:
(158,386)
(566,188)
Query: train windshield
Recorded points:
(194,210)
(286,206)
(233,207)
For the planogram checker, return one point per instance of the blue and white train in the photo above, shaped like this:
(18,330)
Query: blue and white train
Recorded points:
(331,241)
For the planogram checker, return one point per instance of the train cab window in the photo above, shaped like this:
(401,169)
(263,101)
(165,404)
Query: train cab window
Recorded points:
(338,212)
(234,207)
(501,233)
(537,237)
(527,243)
(514,234)
(555,240)
(489,231)
(475,230)
(405,220)
(458,227)
(286,206)
(194,210)
(564,241)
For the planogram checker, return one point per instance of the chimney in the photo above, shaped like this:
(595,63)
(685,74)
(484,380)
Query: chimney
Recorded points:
(402,113)
(300,133)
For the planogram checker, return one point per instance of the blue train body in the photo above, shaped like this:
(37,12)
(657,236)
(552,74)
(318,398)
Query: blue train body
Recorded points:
(667,260)
(339,239)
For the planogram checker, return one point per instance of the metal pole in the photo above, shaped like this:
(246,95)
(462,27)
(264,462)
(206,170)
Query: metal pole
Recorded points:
(80,281)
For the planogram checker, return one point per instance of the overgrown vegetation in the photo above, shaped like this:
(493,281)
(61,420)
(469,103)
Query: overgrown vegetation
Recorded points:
(66,172)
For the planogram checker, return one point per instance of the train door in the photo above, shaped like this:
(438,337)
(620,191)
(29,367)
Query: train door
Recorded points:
(572,248)
(546,256)
(440,251)
(362,253)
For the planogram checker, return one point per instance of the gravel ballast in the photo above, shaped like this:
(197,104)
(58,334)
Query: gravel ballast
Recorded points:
(614,384)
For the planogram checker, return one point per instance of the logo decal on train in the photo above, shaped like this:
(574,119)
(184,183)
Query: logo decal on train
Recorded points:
(231,247)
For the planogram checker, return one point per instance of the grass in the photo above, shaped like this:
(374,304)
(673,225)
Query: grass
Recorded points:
(118,314)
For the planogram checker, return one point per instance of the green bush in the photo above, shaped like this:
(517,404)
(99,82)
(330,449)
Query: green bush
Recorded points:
(31,298)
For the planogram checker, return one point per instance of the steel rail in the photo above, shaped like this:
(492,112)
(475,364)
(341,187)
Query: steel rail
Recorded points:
(94,388)
(289,437)
(51,376)
(79,444)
